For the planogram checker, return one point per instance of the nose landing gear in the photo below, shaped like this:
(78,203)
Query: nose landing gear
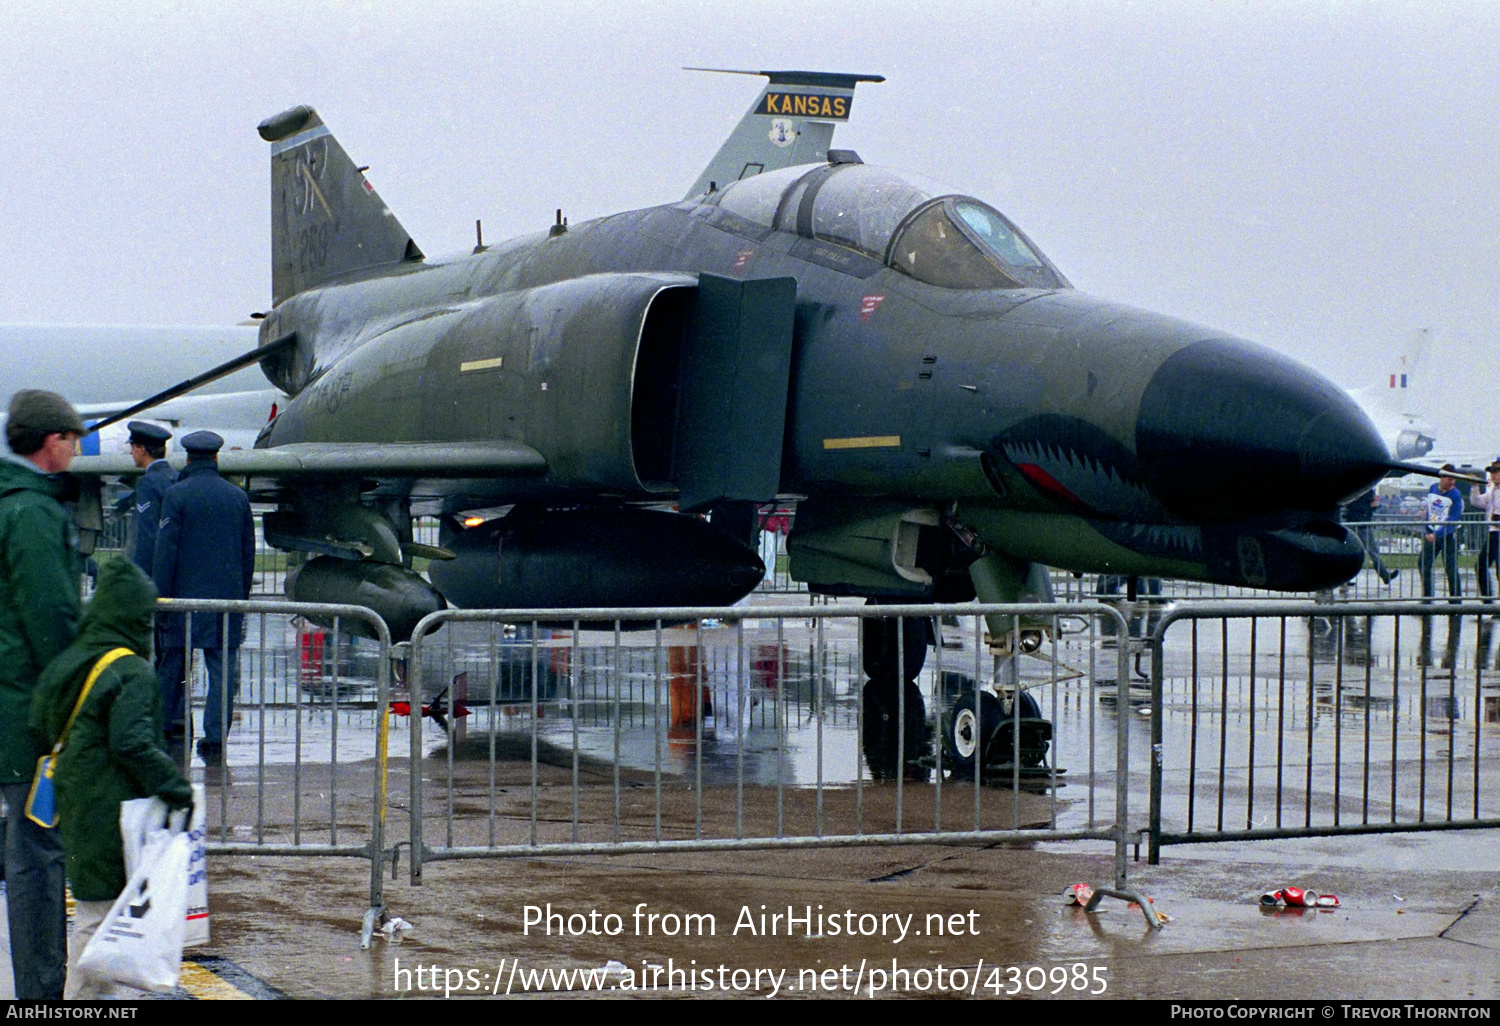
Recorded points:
(980,730)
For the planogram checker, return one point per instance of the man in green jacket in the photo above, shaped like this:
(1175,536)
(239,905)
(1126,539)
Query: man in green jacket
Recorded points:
(39,581)
(113,750)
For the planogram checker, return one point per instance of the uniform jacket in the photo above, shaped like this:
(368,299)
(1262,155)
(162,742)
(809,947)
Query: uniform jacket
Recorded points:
(149,491)
(39,581)
(112,753)
(205,548)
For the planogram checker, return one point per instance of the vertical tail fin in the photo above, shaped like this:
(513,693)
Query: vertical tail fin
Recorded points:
(1392,403)
(1404,374)
(326,219)
(791,122)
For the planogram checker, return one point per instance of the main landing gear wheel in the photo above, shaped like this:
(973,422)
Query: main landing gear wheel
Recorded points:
(883,653)
(882,740)
(970,730)
(986,732)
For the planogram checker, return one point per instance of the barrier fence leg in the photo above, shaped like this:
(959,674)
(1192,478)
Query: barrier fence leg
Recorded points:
(1121,889)
(1153,850)
(412,651)
(375,915)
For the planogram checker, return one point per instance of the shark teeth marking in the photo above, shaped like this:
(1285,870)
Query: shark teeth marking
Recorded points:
(1105,485)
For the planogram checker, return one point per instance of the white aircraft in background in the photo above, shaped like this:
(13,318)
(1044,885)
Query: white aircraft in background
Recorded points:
(102,369)
(1391,403)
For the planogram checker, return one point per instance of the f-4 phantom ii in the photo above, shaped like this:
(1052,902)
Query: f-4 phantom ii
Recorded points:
(948,412)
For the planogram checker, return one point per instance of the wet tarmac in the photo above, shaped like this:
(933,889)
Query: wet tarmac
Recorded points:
(1403,932)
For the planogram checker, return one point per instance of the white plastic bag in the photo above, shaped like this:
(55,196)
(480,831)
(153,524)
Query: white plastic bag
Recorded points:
(139,944)
(7,980)
(140,816)
(197,892)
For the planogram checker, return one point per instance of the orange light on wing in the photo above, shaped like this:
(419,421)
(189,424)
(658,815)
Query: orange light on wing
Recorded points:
(473,521)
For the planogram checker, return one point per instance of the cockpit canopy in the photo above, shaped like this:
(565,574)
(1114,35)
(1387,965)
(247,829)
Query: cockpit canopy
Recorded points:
(910,222)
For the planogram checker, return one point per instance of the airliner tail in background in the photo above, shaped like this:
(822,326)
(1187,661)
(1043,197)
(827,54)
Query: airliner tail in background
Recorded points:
(1392,402)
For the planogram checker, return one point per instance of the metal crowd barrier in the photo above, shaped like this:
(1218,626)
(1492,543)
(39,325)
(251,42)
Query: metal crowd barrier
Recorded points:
(299,780)
(1298,719)
(773,553)
(611,731)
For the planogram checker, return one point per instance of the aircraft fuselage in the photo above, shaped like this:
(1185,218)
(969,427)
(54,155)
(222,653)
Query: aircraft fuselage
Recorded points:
(1057,427)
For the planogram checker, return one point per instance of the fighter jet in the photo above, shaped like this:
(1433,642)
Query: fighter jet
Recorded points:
(898,358)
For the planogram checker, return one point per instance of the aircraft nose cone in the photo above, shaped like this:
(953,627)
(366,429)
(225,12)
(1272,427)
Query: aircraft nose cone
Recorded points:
(1228,429)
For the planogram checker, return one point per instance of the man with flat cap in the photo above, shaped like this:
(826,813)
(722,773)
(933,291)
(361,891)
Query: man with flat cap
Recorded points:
(39,583)
(148,448)
(205,548)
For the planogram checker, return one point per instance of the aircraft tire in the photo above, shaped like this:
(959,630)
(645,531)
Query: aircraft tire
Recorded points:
(882,728)
(969,730)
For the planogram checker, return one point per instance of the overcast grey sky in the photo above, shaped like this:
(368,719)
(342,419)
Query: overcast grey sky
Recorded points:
(1318,177)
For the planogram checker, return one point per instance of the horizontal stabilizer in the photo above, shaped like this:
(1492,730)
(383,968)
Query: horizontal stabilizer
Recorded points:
(790,123)
(356,459)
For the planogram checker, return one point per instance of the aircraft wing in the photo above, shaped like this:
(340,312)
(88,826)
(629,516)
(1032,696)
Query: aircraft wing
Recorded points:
(355,459)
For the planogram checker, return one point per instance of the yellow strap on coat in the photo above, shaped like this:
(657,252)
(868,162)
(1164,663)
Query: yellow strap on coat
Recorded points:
(99,667)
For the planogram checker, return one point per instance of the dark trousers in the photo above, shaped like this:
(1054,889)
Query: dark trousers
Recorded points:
(36,902)
(1148,588)
(1489,556)
(1448,544)
(1366,535)
(216,720)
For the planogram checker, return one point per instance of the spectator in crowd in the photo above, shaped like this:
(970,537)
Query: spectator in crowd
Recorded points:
(39,585)
(148,448)
(1489,549)
(205,548)
(1444,508)
(104,695)
(1360,512)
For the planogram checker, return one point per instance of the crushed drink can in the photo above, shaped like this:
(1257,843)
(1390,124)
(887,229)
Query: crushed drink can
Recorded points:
(1296,897)
(1077,894)
(1327,901)
(1271,898)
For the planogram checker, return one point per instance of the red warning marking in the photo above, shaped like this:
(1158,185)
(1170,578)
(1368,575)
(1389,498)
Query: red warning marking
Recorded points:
(742,258)
(1050,486)
(869,305)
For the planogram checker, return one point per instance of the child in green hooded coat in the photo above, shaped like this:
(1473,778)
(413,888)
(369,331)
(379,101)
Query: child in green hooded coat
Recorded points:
(113,751)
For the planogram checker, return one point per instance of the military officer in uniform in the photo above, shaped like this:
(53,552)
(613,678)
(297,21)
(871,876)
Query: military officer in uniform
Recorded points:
(205,548)
(148,447)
